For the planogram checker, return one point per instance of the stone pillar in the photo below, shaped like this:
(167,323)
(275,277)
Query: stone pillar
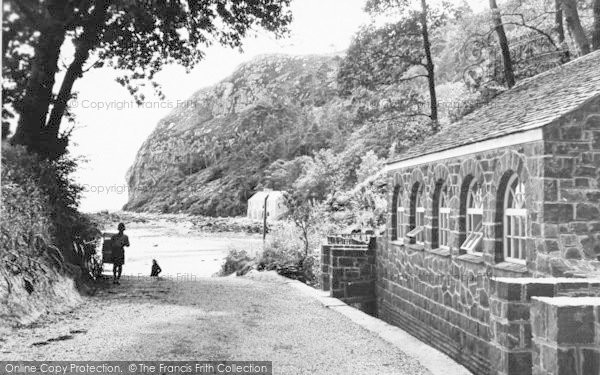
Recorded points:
(352,272)
(348,269)
(566,335)
(325,262)
(511,351)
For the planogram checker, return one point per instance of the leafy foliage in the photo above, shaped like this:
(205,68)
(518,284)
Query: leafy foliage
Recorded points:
(54,193)
(137,37)
(236,261)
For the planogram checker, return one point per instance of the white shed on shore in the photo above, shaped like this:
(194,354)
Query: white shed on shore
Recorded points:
(276,207)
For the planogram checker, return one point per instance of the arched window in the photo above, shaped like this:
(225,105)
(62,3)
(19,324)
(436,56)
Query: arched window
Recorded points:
(418,207)
(400,217)
(474,219)
(515,221)
(444,220)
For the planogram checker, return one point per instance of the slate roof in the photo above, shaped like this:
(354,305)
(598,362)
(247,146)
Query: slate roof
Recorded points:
(531,103)
(261,195)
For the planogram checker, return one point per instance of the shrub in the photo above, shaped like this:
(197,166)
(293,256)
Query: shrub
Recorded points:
(285,251)
(39,203)
(237,261)
(283,248)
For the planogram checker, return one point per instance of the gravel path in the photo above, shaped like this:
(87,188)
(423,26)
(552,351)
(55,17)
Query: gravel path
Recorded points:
(249,318)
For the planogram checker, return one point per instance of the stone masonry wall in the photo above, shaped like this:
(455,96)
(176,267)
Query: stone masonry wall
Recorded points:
(571,230)
(566,335)
(348,273)
(442,295)
(512,351)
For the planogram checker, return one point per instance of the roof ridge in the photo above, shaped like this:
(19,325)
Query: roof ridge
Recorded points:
(577,60)
(532,103)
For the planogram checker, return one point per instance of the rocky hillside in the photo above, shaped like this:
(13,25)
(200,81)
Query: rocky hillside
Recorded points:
(209,155)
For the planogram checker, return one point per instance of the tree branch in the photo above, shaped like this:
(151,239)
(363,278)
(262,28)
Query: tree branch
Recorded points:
(405,115)
(87,41)
(27,8)
(413,77)
(542,32)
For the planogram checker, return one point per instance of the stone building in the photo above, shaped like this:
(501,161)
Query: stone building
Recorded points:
(275,201)
(494,229)
(511,190)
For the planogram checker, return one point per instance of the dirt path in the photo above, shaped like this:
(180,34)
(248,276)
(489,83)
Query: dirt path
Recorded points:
(250,318)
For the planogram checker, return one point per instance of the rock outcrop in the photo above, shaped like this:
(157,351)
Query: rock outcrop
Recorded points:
(208,155)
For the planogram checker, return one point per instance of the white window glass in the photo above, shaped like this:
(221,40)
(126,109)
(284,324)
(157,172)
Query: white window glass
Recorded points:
(444,221)
(418,232)
(515,221)
(474,220)
(400,220)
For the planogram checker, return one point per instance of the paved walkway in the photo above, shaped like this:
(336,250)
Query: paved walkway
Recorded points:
(262,317)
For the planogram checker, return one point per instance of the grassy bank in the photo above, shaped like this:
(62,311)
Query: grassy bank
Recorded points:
(39,271)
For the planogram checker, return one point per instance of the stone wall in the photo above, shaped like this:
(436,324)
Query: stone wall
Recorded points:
(348,271)
(441,295)
(566,335)
(571,229)
(511,312)
(441,301)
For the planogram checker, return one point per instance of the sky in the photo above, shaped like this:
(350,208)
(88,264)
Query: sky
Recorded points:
(110,128)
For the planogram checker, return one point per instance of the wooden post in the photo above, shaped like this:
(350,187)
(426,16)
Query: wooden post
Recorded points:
(265,219)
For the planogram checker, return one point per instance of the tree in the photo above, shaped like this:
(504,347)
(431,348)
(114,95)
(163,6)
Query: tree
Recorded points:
(558,22)
(569,8)
(282,174)
(399,53)
(596,27)
(503,41)
(322,175)
(139,37)
(303,212)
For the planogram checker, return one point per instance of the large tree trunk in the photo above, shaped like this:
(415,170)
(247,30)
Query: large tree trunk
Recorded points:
(509,74)
(33,109)
(558,22)
(569,8)
(596,29)
(429,66)
(84,44)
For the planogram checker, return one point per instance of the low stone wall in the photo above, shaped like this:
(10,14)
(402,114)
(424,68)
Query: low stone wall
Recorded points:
(348,271)
(566,335)
(441,299)
(511,302)
(489,323)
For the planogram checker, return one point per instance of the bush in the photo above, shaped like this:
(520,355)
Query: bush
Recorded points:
(284,252)
(39,203)
(26,224)
(283,248)
(238,262)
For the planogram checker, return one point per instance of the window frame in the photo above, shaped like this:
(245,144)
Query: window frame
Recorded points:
(473,232)
(512,215)
(400,221)
(417,233)
(443,220)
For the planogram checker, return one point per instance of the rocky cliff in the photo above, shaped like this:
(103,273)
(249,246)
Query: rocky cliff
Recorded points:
(209,154)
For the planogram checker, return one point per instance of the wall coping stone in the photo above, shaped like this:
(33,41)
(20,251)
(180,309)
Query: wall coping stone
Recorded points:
(416,247)
(440,252)
(471,258)
(543,280)
(512,267)
(569,301)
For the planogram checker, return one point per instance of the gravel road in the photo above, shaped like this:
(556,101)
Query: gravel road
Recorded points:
(235,318)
